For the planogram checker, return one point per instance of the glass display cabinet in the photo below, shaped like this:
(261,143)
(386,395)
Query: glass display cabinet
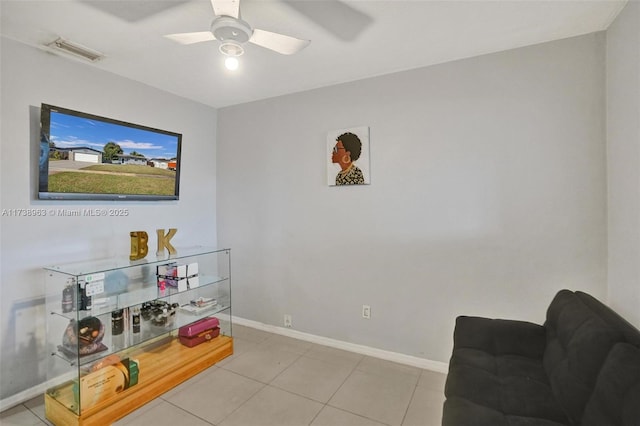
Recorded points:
(115,330)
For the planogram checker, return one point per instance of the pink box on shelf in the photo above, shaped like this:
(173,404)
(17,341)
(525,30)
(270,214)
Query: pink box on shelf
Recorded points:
(199,332)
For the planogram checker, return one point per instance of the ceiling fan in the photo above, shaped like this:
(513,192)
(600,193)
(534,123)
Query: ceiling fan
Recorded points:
(233,33)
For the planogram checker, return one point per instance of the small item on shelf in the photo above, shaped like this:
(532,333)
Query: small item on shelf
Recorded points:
(199,332)
(159,312)
(83,337)
(117,322)
(204,301)
(85,301)
(145,310)
(199,305)
(182,277)
(67,297)
(104,383)
(167,274)
(134,369)
(108,360)
(115,282)
(192,275)
(135,320)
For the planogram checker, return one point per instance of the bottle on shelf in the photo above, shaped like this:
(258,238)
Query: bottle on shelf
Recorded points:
(117,322)
(135,320)
(67,298)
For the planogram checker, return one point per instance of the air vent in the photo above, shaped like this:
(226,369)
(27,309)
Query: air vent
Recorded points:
(75,49)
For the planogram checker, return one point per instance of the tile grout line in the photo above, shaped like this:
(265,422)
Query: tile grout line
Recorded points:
(188,412)
(326,404)
(355,368)
(406,410)
(261,343)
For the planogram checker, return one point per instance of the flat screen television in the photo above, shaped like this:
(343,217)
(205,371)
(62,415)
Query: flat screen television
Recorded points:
(88,157)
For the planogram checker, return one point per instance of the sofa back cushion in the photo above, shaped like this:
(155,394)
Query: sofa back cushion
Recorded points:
(578,341)
(615,400)
(630,333)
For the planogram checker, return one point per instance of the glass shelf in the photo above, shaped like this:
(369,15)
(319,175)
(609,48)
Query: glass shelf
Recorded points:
(120,263)
(132,298)
(130,340)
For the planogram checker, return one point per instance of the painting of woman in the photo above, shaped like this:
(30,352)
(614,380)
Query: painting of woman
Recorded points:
(347,148)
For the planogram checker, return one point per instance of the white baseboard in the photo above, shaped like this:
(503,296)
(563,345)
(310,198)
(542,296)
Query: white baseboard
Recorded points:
(440,367)
(27,394)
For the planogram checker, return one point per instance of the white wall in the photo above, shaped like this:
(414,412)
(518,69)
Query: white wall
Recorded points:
(623,161)
(487,196)
(30,77)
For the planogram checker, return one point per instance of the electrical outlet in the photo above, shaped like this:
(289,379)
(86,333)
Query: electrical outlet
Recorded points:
(287,321)
(366,311)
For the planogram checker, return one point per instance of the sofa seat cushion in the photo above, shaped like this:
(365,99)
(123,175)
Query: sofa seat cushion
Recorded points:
(500,365)
(462,412)
(513,386)
(496,372)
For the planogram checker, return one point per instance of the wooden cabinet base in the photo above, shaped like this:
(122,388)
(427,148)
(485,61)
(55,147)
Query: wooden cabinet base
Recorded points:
(162,367)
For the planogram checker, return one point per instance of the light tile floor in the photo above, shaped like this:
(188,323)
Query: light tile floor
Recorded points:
(272,380)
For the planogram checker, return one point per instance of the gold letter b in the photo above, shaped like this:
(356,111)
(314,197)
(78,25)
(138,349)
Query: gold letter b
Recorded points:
(139,247)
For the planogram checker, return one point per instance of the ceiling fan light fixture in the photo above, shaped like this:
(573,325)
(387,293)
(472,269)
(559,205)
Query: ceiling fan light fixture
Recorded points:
(231,48)
(232,51)
(231,63)
(75,49)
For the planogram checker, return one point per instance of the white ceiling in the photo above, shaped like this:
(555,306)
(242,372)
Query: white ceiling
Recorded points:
(350,40)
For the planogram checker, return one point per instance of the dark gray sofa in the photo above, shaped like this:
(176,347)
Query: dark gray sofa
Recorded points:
(582,368)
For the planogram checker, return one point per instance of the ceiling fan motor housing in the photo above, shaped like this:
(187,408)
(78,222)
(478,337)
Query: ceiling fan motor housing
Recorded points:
(227,28)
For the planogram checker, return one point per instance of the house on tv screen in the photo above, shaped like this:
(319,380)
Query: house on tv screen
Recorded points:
(130,159)
(163,163)
(85,154)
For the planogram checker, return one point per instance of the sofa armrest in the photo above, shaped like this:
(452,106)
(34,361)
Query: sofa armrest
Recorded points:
(616,396)
(500,337)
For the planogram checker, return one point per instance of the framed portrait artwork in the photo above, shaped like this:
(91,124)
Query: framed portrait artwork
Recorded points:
(348,157)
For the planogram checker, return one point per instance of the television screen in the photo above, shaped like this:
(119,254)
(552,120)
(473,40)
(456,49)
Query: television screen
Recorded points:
(87,157)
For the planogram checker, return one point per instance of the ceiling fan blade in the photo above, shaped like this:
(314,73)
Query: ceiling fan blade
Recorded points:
(342,20)
(133,11)
(226,8)
(278,42)
(191,38)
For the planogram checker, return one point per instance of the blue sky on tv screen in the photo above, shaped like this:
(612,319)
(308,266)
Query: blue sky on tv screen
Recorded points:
(70,131)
